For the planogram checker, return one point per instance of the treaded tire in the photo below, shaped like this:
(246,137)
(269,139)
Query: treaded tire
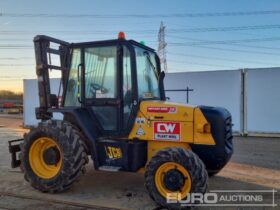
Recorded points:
(211,174)
(189,160)
(73,154)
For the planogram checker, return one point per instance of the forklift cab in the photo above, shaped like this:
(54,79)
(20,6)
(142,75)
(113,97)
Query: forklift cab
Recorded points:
(110,79)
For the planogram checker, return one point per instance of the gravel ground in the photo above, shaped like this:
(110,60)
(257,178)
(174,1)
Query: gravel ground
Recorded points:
(13,202)
(254,166)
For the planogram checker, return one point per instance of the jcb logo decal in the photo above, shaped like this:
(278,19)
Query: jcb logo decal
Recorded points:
(113,152)
(167,130)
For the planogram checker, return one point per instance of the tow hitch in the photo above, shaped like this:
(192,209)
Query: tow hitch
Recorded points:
(14,148)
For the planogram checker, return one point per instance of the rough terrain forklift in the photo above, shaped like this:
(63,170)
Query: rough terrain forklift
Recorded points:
(114,110)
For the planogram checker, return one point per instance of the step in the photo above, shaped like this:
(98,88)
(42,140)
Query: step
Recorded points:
(109,168)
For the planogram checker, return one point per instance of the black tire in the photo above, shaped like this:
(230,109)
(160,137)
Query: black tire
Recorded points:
(72,151)
(211,173)
(186,158)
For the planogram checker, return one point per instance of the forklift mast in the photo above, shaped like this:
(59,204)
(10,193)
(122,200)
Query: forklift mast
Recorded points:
(44,49)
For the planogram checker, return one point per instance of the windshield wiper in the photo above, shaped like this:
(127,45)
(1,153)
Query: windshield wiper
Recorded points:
(151,63)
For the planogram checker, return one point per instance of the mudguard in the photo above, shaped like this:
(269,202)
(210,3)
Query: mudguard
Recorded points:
(215,157)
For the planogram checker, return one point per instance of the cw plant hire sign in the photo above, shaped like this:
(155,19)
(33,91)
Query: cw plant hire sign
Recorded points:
(167,131)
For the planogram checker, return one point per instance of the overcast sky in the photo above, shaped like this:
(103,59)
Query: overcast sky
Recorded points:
(200,35)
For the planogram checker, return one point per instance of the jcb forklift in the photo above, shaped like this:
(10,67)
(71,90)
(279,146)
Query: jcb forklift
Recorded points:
(114,110)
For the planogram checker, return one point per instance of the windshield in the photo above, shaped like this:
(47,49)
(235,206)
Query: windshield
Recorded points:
(147,74)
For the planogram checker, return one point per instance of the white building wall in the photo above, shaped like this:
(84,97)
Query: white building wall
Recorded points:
(263,100)
(31,100)
(211,88)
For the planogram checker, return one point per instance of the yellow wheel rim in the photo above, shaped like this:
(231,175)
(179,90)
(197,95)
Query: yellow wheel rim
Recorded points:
(36,158)
(159,179)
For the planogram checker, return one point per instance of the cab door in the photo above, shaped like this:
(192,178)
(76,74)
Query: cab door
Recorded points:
(130,104)
(102,85)
(102,80)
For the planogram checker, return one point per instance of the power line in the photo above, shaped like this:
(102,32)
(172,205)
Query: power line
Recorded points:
(227,28)
(231,50)
(176,45)
(16,58)
(16,48)
(224,49)
(7,65)
(87,32)
(11,45)
(202,64)
(269,39)
(232,44)
(148,31)
(219,58)
(176,15)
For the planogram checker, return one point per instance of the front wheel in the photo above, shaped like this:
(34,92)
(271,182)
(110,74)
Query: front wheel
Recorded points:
(53,156)
(175,172)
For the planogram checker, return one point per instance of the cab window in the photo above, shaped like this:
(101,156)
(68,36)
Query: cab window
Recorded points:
(100,72)
(72,93)
(147,76)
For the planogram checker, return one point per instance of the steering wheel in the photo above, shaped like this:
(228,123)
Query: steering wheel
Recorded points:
(94,87)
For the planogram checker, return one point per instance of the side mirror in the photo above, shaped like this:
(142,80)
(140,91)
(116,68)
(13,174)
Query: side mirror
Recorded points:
(161,85)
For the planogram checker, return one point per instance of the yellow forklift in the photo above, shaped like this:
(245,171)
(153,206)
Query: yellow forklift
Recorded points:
(114,110)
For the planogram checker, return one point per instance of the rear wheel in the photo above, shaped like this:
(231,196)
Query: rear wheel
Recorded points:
(177,171)
(53,156)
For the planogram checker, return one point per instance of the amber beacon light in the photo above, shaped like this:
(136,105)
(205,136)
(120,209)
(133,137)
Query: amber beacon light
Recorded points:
(121,35)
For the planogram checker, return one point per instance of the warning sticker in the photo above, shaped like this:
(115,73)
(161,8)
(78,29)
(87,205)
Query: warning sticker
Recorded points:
(140,131)
(159,109)
(167,131)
